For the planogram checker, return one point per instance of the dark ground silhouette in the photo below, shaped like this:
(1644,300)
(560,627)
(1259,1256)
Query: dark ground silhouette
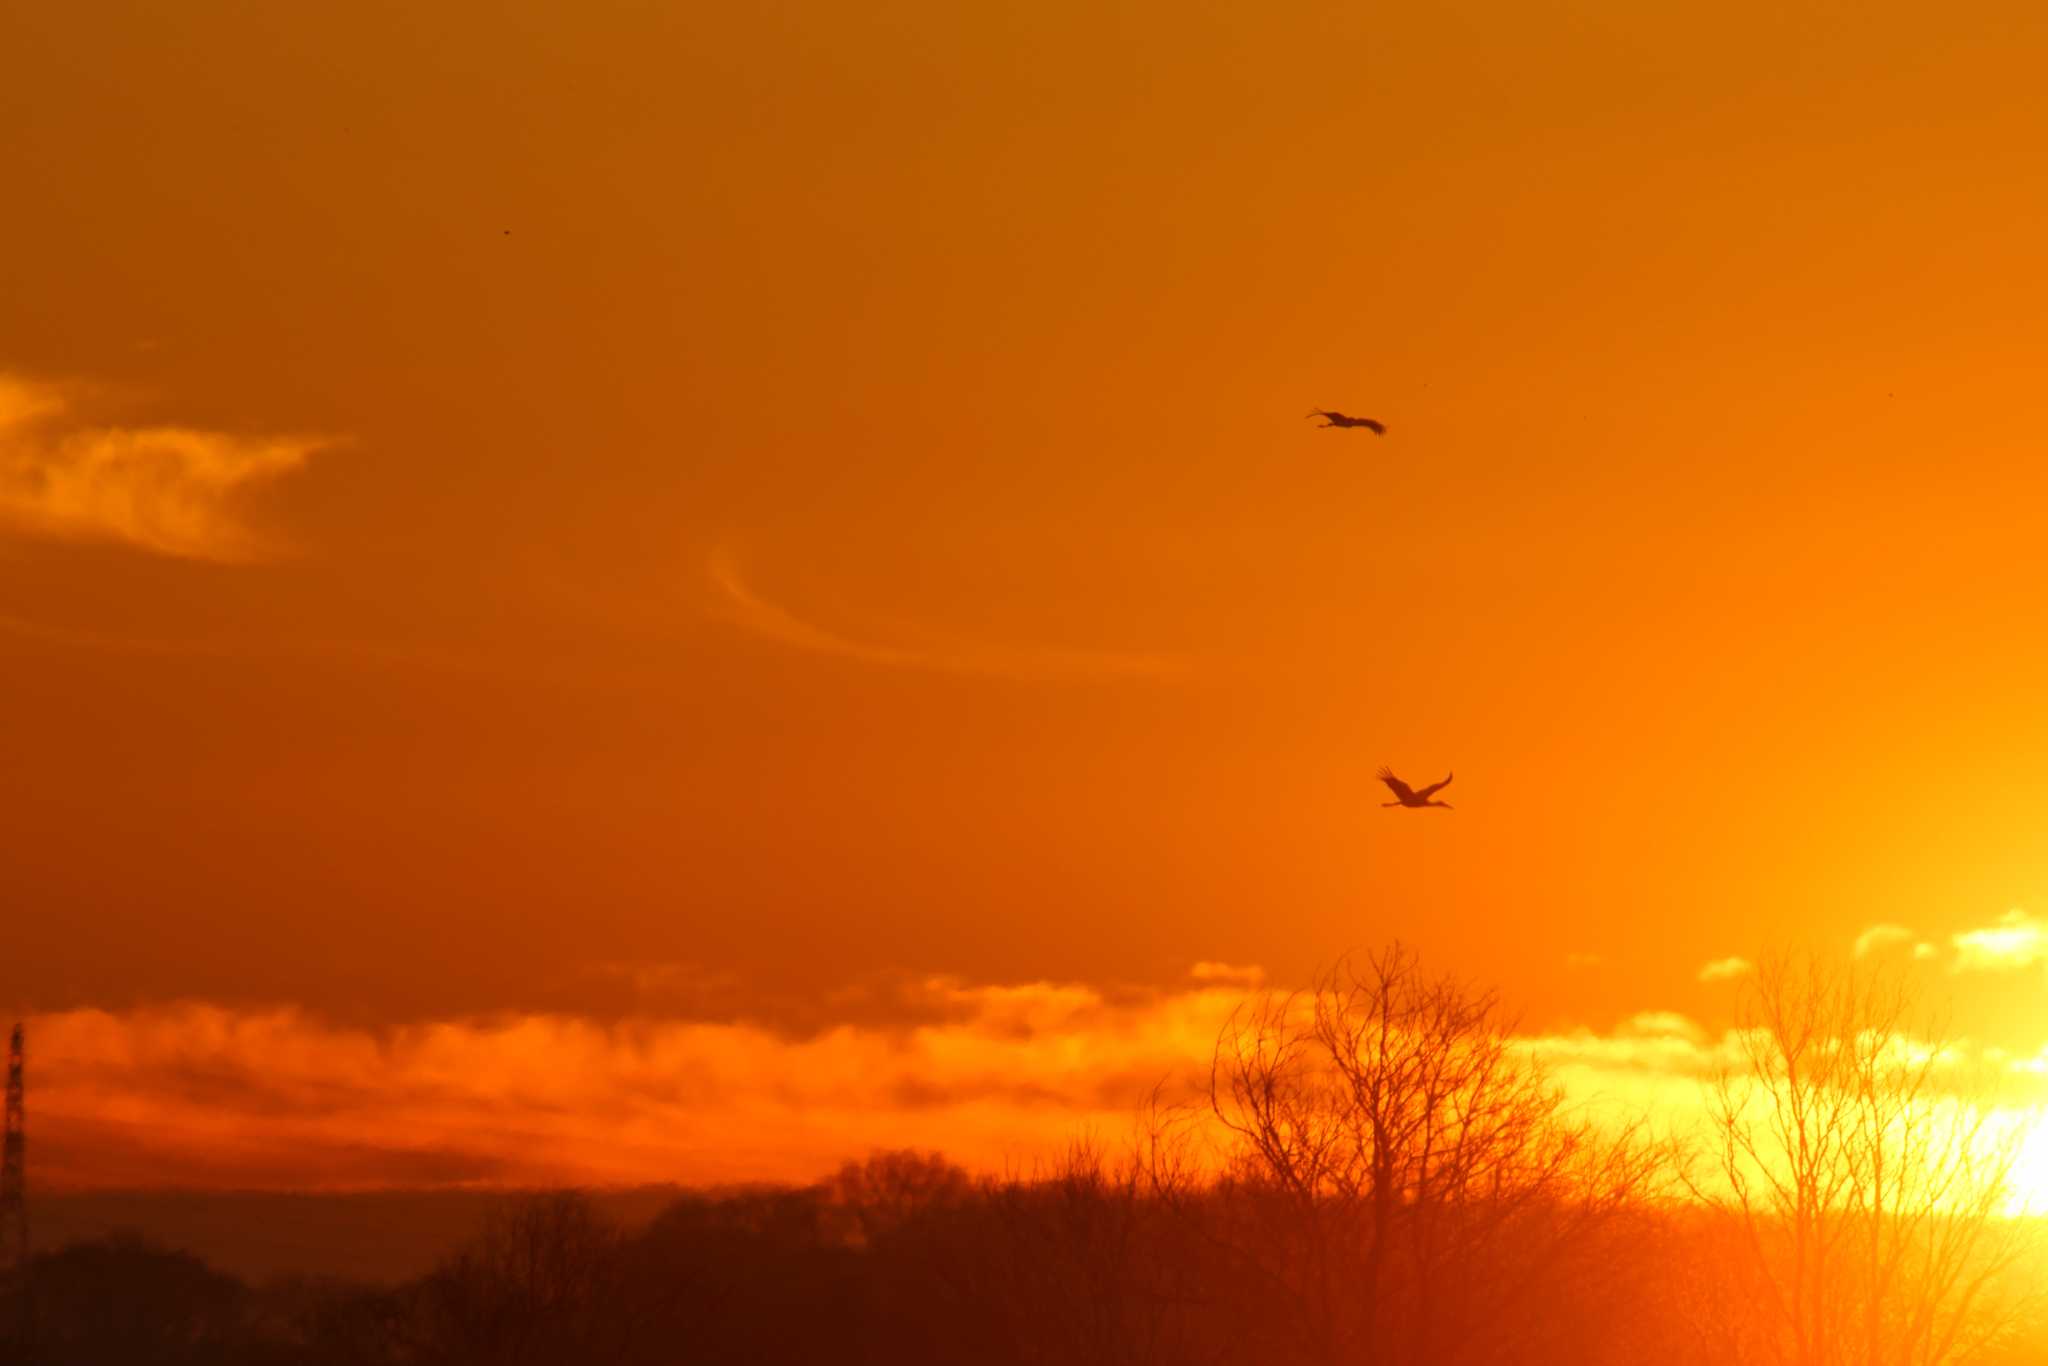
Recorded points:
(904,1260)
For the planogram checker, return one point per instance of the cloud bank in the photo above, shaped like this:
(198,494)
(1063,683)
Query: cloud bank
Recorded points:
(201,1095)
(998,1077)
(170,490)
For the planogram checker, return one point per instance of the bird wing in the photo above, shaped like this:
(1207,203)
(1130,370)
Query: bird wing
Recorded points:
(1378,428)
(1435,788)
(1400,789)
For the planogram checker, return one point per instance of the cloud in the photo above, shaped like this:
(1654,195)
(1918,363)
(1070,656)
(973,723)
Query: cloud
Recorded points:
(997,1076)
(1247,975)
(2016,941)
(1725,969)
(171,490)
(205,1095)
(1880,937)
(1660,1024)
(1582,962)
(1653,1063)
(745,608)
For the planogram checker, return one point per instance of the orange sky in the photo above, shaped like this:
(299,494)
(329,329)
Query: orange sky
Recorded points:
(690,512)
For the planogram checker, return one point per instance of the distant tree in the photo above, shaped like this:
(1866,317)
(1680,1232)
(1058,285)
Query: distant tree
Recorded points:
(541,1284)
(753,1275)
(327,1322)
(1103,1259)
(881,1193)
(126,1299)
(1866,1182)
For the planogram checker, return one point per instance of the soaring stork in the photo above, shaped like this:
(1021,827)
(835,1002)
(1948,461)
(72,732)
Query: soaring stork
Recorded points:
(1330,419)
(1405,795)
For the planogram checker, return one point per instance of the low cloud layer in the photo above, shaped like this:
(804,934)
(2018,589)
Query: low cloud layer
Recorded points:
(200,1095)
(1725,969)
(171,490)
(999,1077)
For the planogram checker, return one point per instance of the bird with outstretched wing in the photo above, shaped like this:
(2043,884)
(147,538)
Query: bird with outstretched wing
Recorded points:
(1333,419)
(1405,795)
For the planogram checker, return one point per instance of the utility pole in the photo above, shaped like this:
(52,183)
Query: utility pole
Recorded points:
(13,1168)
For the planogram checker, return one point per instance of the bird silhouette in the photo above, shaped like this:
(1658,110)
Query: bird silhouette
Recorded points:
(1405,795)
(1330,419)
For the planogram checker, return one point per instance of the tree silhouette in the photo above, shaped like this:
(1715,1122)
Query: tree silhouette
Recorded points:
(1411,1183)
(1865,1182)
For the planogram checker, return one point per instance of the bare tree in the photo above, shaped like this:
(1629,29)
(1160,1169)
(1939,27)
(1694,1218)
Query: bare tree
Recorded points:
(1866,1176)
(540,1284)
(1412,1153)
(881,1193)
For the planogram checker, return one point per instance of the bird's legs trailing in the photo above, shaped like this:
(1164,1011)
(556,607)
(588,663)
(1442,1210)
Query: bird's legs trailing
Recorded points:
(1332,418)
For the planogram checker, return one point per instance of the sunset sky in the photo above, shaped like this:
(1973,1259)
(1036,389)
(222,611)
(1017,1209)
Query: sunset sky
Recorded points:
(693,561)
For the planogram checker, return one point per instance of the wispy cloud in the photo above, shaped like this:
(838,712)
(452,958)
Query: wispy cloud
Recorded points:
(1725,969)
(171,490)
(746,608)
(1661,1024)
(1881,937)
(1239,974)
(1653,1063)
(2018,940)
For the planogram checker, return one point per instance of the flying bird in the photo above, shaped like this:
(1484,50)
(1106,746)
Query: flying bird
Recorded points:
(1330,419)
(1405,795)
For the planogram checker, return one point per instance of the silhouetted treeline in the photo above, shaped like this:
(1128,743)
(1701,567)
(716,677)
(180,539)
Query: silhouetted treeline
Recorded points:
(900,1261)
(1395,1183)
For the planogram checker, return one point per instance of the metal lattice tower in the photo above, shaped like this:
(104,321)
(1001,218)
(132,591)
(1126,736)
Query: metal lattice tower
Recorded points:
(13,1164)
